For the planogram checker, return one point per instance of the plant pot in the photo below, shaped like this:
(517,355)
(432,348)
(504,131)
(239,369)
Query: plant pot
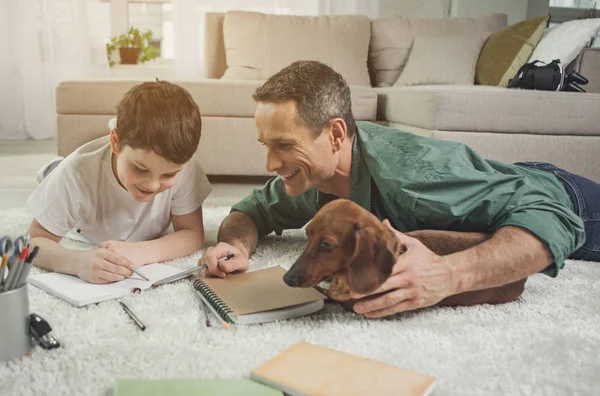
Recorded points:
(129,55)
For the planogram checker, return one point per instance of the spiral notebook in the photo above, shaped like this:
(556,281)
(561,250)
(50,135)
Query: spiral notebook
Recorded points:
(258,297)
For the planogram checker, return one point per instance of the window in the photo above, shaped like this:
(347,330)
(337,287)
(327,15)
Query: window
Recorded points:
(568,10)
(153,15)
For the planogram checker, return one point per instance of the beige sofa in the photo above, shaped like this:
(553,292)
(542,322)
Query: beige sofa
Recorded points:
(508,125)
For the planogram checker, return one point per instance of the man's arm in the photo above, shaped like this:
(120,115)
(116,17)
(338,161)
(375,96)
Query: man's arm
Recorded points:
(187,238)
(239,230)
(511,254)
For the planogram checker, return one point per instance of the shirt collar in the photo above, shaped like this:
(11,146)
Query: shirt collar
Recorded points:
(360,180)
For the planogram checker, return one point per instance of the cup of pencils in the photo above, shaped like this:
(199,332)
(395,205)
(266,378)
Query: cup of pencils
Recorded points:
(17,260)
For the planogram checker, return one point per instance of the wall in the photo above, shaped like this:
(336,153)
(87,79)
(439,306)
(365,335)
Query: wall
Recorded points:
(516,10)
(537,8)
(414,8)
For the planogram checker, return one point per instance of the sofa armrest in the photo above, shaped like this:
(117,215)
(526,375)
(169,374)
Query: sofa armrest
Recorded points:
(587,64)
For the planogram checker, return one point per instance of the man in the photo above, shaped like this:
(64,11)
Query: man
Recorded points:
(304,118)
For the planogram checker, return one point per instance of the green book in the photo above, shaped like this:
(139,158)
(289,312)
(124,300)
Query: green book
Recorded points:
(185,387)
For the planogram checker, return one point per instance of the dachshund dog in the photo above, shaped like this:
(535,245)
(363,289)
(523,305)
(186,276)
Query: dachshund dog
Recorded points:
(354,251)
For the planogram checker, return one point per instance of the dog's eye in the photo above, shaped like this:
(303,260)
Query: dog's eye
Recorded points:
(325,247)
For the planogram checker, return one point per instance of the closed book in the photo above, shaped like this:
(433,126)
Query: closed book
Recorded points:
(309,369)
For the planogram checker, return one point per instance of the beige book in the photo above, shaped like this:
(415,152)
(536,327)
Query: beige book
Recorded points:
(308,369)
(259,296)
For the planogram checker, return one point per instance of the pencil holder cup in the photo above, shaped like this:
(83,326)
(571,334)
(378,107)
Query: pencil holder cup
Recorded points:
(15,339)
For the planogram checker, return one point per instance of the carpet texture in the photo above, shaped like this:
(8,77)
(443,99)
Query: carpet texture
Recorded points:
(546,343)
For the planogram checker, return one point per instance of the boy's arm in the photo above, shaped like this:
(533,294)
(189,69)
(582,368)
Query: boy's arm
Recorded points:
(187,238)
(95,266)
(52,256)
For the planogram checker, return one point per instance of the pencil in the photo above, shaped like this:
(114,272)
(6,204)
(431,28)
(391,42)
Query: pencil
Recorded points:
(206,304)
(102,247)
(204,309)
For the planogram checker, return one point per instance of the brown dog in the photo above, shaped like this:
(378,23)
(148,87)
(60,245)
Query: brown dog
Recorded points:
(350,247)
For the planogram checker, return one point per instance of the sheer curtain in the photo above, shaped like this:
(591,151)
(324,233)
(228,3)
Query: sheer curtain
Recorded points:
(188,20)
(41,43)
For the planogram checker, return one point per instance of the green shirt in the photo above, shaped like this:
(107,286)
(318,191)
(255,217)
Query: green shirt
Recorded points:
(422,183)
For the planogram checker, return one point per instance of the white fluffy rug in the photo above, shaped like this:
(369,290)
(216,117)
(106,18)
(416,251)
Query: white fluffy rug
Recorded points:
(547,343)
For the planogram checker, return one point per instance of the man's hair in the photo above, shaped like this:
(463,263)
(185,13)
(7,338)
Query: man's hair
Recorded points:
(320,93)
(161,117)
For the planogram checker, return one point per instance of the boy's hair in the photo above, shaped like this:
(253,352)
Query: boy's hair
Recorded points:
(320,93)
(161,117)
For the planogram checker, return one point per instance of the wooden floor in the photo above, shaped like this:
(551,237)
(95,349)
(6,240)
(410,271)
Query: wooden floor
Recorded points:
(21,159)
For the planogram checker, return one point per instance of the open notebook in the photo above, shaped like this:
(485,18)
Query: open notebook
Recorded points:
(259,296)
(309,369)
(80,293)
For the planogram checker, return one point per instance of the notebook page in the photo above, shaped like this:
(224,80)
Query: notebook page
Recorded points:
(79,292)
(259,291)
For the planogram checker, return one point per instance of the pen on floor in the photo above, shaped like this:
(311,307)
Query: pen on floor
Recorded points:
(102,247)
(132,316)
(212,309)
(187,272)
(205,310)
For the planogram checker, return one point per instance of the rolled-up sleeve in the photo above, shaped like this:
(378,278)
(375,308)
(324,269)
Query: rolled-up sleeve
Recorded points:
(554,224)
(272,209)
(466,199)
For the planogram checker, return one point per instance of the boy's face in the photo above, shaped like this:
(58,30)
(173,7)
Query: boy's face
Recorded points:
(142,173)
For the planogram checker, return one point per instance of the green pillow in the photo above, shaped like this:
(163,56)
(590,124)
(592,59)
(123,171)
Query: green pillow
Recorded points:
(507,50)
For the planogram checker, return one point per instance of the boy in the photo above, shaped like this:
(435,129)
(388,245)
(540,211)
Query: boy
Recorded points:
(126,189)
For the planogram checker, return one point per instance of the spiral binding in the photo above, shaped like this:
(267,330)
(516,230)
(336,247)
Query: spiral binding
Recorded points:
(212,298)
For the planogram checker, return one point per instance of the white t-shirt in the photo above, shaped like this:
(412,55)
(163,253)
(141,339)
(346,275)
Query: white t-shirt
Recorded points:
(83,192)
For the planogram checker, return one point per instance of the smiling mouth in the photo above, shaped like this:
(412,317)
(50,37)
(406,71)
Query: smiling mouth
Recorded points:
(288,176)
(144,191)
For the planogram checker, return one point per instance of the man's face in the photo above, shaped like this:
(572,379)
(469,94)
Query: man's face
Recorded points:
(144,174)
(302,160)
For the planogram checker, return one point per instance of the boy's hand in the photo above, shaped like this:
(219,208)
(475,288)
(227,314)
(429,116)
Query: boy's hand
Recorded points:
(125,249)
(224,267)
(104,266)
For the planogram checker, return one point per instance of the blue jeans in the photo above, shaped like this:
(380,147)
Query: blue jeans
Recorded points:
(585,196)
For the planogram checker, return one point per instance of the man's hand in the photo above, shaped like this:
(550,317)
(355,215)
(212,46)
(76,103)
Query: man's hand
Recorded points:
(127,250)
(104,266)
(224,267)
(419,279)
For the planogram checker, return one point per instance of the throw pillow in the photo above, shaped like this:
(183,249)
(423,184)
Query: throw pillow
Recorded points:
(392,39)
(565,41)
(443,60)
(507,50)
(259,45)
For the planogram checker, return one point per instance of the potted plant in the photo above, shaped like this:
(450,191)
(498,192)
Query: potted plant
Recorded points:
(134,47)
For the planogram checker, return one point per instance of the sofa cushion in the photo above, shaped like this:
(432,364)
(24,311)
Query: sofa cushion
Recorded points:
(507,50)
(392,39)
(433,60)
(493,109)
(259,45)
(226,98)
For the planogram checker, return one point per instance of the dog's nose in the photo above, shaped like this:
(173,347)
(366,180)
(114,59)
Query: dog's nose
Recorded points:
(291,278)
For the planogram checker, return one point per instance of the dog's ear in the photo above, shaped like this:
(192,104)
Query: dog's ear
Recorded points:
(372,261)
